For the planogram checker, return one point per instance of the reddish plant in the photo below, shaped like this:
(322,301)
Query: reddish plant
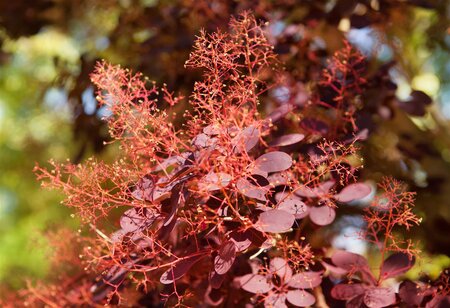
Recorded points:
(206,200)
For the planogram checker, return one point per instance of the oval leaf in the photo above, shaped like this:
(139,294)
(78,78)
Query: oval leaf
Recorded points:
(241,240)
(273,162)
(249,190)
(305,280)
(246,139)
(353,192)
(322,215)
(275,300)
(214,181)
(379,297)
(204,141)
(279,267)
(275,221)
(225,259)
(315,192)
(355,302)
(397,264)
(180,269)
(300,298)
(135,218)
(295,206)
(347,291)
(348,260)
(287,140)
(256,284)
(411,293)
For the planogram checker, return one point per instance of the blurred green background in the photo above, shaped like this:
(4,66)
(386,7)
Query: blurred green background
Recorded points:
(48,110)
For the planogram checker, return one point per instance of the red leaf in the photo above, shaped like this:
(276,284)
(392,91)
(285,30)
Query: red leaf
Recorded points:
(348,260)
(347,291)
(315,192)
(379,297)
(216,280)
(214,181)
(275,300)
(180,269)
(287,140)
(249,190)
(275,221)
(322,215)
(241,240)
(255,283)
(144,188)
(305,280)
(353,192)
(300,298)
(355,302)
(439,301)
(225,259)
(295,206)
(212,130)
(281,268)
(246,139)
(135,218)
(397,264)
(273,162)
(204,141)
(411,293)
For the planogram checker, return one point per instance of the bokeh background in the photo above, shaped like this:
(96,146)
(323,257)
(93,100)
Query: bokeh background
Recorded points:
(47,107)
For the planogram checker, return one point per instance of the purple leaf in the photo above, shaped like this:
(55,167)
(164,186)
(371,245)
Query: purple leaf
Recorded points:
(273,162)
(179,269)
(275,221)
(295,206)
(214,181)
(225,258)
(256,284)
(247,189)
(411,293)
(275,300)
(397,264)
(216,280)
(144,188)
(135,218)
(348,260)
(246,139)
(305,280)
(379,297)
(258,180)
(287,140)
(355,302)
(241,240)
(300,298)
(282,178)
(353,192)
(322,215)
(315,192)
(204,141)
(347,291)
(335,270)
(281,268)
(439,301)
(212,130)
